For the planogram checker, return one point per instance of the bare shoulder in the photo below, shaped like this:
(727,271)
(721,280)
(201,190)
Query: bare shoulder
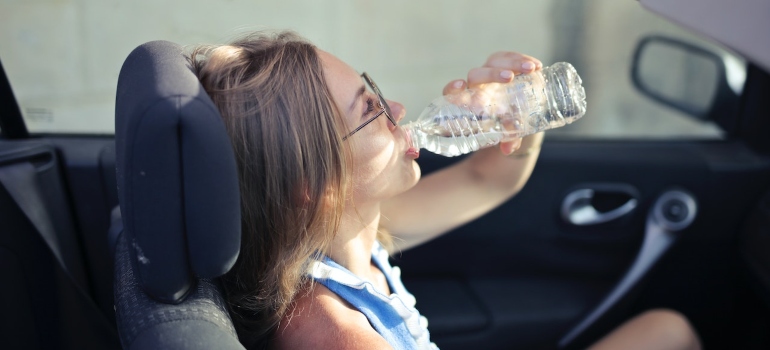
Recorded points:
(322,320)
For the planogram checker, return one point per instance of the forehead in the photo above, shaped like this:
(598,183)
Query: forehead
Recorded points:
(342,79)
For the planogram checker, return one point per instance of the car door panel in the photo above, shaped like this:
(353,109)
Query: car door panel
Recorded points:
(535,276)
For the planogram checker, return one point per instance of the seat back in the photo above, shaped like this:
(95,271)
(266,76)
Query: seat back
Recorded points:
(179,202)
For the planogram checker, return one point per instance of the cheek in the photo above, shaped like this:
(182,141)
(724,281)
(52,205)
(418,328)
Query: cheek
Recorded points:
(373,165)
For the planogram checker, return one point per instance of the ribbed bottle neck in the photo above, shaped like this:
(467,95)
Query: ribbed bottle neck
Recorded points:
(413,135)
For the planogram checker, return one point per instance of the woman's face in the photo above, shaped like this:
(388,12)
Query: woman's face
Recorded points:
(383,163)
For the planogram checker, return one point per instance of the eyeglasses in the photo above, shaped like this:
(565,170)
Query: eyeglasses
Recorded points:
(381,104)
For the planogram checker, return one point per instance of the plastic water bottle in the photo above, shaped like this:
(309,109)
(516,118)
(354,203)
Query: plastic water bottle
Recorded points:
(481,117)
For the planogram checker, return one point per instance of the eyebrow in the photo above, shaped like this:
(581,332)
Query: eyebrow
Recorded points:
(359,93)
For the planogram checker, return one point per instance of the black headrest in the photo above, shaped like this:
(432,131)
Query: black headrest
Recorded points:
(176,173)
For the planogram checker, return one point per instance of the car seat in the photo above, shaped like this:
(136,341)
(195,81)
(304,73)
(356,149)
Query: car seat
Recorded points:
(178,224)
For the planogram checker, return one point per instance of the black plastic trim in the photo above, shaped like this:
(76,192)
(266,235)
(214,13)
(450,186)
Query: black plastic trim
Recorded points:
(11,121)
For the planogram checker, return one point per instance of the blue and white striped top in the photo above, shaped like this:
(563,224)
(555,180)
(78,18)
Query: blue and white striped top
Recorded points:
(392,316)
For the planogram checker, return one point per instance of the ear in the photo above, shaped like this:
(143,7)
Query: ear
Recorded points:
(301,196)
(330,198)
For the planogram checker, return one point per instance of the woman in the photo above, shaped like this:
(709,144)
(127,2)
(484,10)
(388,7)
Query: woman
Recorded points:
(327,176)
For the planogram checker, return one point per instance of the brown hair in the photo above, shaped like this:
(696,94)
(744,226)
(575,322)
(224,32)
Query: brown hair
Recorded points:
(285,131)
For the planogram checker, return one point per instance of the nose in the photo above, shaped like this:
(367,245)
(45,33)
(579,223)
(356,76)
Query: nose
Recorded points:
(398,113)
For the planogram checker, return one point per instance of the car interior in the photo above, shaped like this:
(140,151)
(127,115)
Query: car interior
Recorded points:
(113,242)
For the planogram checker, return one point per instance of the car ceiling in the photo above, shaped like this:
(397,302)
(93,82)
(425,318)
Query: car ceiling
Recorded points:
(741,25)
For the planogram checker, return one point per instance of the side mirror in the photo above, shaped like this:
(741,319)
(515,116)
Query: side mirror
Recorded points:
(685,77)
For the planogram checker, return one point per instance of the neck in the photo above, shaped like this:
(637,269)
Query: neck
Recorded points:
(352,246)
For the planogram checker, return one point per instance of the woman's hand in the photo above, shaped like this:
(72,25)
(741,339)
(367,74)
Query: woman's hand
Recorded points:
(500,67)
(468,189)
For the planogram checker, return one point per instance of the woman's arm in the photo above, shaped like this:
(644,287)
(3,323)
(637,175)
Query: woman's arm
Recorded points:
(458,194)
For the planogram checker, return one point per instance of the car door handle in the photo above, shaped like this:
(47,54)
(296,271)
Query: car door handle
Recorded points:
(674,211)
(577,207)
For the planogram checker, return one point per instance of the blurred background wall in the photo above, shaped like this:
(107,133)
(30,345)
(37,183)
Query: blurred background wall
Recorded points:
(63,56)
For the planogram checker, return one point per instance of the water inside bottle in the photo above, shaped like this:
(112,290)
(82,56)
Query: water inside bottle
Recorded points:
(454,142)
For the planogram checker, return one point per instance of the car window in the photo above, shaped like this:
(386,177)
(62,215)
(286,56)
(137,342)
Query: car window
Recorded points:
(63,58)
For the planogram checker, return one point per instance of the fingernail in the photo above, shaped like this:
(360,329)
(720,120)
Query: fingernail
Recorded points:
(458,84)
(527,66)
(506,74)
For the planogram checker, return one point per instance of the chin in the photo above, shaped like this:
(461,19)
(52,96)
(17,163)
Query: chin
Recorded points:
(417,173)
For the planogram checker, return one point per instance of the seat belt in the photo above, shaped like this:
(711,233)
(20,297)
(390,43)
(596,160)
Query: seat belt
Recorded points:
(20,180)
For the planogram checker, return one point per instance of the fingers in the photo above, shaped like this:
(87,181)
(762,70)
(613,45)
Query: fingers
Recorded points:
(517,62)
(454,86)
(500,67)
(483,75)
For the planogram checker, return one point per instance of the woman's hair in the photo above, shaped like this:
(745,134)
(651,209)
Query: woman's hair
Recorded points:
(285,130)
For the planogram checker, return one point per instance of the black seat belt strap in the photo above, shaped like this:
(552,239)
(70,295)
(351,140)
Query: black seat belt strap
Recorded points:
(19,180)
